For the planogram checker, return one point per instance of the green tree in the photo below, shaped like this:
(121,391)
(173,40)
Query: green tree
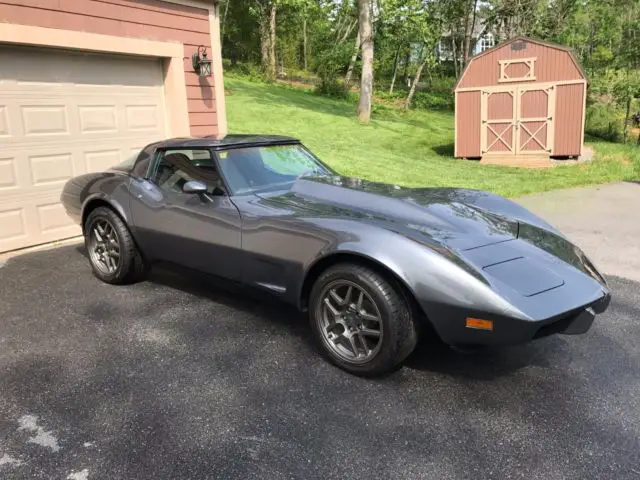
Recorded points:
(425,23)
(265,13)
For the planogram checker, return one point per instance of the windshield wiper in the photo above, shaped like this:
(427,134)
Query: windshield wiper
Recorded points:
(312,173)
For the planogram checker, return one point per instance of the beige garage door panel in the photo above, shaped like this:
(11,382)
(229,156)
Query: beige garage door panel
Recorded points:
(33,220)
(61,115)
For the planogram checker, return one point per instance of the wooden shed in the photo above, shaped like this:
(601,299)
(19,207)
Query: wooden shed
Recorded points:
(521,103)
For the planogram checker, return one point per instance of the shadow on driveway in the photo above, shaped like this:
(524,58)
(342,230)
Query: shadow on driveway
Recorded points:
(431,355)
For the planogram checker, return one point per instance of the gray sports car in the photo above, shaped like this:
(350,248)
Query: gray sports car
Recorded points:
(373,264)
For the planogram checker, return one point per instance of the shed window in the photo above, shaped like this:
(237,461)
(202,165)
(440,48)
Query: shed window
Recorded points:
(517,70)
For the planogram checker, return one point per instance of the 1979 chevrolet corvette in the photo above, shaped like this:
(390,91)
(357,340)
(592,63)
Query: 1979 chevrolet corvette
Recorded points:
(371,263)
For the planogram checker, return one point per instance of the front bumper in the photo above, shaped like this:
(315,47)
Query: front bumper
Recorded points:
(547,284)
(575,323)
(453,330)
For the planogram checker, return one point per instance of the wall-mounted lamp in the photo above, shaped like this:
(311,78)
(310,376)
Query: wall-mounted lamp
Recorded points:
(201,64)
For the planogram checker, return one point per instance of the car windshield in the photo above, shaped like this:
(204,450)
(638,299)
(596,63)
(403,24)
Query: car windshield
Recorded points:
(267,168)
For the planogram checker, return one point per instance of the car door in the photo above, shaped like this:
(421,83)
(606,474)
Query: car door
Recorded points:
(200,231)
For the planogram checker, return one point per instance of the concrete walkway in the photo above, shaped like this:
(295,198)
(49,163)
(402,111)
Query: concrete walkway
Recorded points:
(603,220)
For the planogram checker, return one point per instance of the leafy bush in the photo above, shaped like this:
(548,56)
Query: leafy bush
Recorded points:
(605,120)
(299,75)
(442,84)
(608,94)
(423,100)
(247,71)
(329,67)
(433,100)
(395,95)
(332,87)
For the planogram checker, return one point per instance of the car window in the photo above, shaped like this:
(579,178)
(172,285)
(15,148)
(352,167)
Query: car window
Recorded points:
(258,168)
(128,164)
(176,167)
(141,166)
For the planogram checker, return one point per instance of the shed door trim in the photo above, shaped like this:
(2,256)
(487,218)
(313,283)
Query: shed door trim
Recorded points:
(499,88)
(514,132)
(493,125)
(540,135)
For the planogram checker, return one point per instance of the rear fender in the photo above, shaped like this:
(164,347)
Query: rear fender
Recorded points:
(112,191)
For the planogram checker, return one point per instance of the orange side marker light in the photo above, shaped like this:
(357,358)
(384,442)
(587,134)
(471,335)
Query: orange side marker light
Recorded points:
(479,324)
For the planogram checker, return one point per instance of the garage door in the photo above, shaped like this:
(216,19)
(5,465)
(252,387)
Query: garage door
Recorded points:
(63,114)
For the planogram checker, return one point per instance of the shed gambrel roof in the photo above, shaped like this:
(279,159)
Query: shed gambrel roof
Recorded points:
(521,38)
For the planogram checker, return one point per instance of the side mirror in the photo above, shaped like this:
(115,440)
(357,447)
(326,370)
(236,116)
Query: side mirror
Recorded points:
(194,186)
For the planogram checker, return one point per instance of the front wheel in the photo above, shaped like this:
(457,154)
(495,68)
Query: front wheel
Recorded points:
(362,320)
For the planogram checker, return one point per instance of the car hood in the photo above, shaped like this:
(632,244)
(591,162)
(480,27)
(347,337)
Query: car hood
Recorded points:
(452,217)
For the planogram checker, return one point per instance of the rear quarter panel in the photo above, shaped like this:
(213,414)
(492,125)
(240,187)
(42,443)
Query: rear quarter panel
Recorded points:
(81,192)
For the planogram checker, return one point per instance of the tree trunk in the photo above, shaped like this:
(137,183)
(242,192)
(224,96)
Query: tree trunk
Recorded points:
(304,43)
(264,43)
(412,91)
(465,35)
(467,47)
(454,52)
(348,31)
(468,32)
(271,70)
(395,71)
(224,19)
(625,132)
(366,77)
(407,60)
(352,62)
(421,51)
(340,24)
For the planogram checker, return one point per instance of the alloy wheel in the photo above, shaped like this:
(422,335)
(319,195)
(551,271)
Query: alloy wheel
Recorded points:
(349,321)
(104,247)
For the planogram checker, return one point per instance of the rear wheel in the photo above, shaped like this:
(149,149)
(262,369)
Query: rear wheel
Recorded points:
(362,320)
(112,251)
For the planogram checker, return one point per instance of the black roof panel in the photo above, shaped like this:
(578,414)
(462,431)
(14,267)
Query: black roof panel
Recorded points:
(230,141)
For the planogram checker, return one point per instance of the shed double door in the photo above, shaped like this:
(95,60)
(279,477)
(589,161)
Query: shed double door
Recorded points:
(517,120)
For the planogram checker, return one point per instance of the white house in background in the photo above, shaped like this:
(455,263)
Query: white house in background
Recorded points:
(485,42)
(482,39)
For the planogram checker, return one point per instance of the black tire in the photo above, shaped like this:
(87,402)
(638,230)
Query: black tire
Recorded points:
(399,330)
(131,266)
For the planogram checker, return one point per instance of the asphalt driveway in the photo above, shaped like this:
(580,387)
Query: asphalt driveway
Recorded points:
(603,220)
(175,378)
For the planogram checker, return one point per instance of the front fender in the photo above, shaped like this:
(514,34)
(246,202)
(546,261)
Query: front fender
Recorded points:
(436,279)
(510,209)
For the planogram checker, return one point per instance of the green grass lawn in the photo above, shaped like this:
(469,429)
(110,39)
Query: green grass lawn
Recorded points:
(407,148)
